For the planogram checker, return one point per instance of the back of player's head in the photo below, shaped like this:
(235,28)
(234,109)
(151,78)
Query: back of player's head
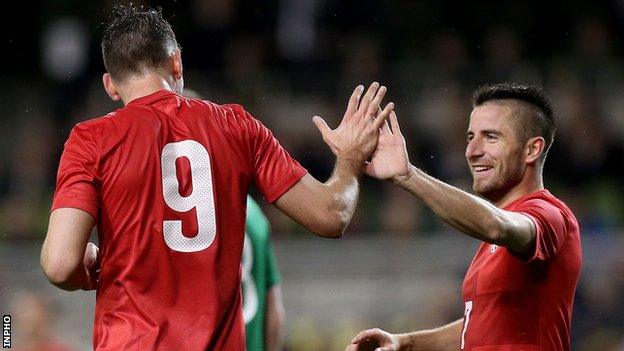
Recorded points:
(533,109)
(135,41)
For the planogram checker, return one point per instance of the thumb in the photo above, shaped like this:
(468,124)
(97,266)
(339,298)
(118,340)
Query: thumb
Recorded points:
(321,125)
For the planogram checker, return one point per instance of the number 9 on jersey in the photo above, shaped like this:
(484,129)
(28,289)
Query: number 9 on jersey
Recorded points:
(201,198)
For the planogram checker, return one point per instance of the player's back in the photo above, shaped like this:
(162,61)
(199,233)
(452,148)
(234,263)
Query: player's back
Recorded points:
(174,174)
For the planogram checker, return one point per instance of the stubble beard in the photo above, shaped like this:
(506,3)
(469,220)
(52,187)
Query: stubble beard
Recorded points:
(499,184)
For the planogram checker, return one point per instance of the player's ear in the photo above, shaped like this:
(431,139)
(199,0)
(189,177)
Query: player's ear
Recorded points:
(176,64)
(109,86)
(534,149)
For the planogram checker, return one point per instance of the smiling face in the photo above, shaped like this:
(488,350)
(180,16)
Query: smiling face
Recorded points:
(494,151)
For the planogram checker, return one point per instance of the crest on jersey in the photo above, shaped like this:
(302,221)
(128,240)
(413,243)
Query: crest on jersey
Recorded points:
(493,248)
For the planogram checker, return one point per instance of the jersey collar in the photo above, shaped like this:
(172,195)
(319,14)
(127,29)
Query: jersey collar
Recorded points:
(542,192)
(144,100)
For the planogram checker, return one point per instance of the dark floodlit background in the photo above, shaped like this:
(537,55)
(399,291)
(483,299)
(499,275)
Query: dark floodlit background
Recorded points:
(398,266)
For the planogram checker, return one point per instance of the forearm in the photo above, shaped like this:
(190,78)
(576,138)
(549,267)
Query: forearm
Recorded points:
(342,190)
(440,339)
(324,209)
(470,214)
(58,272)
(79,279)
(63,251)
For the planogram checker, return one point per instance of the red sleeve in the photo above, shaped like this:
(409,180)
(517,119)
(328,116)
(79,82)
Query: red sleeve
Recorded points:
(274,170)
(77,179)
(550,227)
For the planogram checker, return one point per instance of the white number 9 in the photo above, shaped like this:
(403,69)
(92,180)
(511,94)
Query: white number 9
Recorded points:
(201,198)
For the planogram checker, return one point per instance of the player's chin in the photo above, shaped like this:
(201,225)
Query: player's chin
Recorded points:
(481,188)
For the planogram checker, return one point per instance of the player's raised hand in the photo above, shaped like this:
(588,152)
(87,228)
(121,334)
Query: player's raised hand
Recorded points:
(390,158)
(374,340)
(356,136)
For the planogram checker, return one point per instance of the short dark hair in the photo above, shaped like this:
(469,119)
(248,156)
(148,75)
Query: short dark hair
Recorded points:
(535,120)
(136,40)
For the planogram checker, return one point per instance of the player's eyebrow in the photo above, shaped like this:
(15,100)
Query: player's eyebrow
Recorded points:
(490,131)
(470,133)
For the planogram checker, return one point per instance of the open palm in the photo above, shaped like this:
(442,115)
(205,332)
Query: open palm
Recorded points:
(390,157)
(356,136)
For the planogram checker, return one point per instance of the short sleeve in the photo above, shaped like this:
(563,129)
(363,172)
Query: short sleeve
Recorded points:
(273,275)
(274,170)
(550,227)
(77,179)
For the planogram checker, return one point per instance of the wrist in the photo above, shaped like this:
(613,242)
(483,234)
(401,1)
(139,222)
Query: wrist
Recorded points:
(403,178)
(349,165)
(405,341)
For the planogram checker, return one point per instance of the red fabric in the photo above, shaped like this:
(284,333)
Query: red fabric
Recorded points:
(526,304)
(150,296)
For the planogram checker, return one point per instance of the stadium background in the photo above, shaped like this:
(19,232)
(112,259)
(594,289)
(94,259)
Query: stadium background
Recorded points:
(397,267)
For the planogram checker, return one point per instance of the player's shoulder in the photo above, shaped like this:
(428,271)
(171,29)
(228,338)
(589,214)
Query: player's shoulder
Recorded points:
(207,104)
(234,108)
(93,125)
(548,197)
(537,197)
(546,201)
(227,108)
(237,112)
(237,120)
(227,111)
(561,205)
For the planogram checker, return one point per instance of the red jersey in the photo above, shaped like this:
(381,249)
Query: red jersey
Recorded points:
(517,303)
(166,178)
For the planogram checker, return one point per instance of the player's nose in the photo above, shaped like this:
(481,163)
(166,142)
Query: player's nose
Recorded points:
(474,149)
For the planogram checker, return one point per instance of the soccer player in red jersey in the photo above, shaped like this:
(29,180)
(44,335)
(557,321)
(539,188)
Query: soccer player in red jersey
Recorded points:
(165,180)
(520,286)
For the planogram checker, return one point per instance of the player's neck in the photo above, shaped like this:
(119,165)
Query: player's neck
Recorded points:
(528,185)
(136,88)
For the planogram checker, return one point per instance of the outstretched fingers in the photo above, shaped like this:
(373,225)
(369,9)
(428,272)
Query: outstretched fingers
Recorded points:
(386,126)
(383,116)
(368,97)
(354,100)
(394,123)
(373,107)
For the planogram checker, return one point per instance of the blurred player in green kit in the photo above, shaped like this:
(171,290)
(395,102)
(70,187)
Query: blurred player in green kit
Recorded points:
(263,309)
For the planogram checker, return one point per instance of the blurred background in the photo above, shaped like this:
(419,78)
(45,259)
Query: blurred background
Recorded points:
(398,267)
